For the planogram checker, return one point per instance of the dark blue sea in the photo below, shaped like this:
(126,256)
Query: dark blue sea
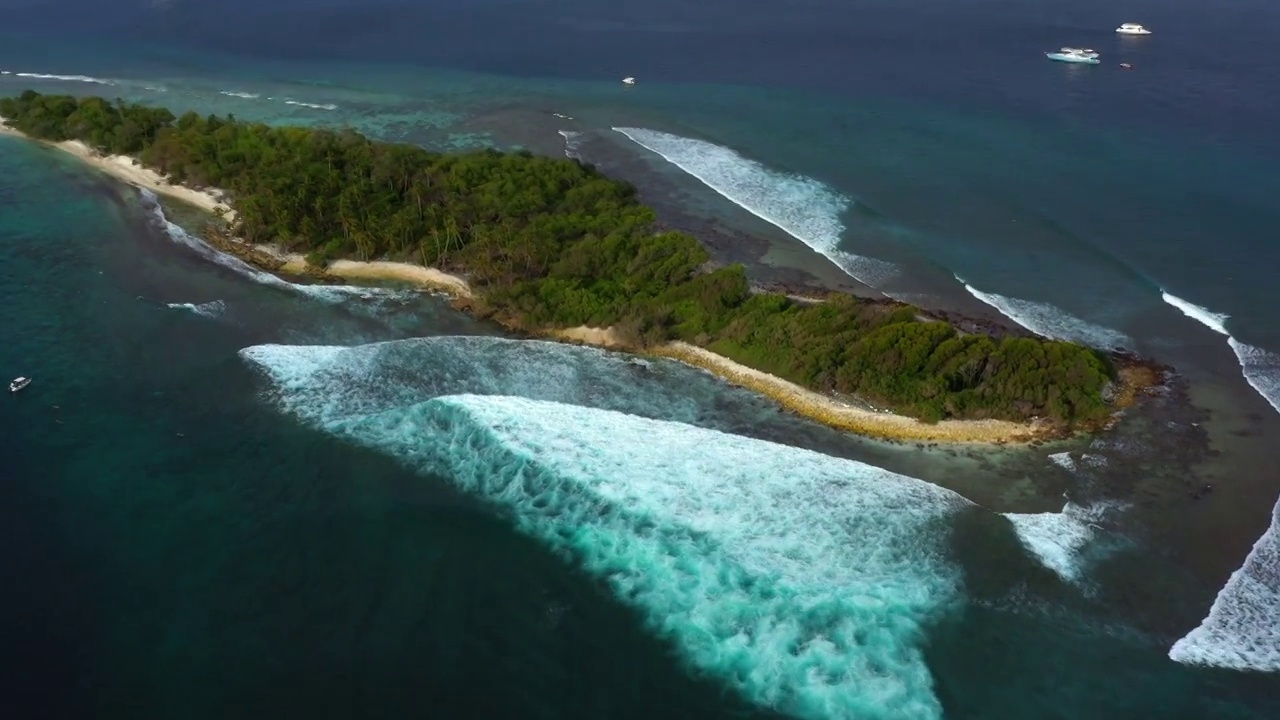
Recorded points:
(228,494)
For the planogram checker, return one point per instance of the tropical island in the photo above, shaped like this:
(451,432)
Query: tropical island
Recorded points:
(551,247)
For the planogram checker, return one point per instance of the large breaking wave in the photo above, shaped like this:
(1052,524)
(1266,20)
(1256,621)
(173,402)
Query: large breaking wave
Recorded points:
(805,208)
(1242,630)
(806,582)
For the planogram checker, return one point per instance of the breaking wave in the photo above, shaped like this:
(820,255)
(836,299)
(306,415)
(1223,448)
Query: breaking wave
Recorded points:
(805,208)
(210,309)
(65,78)
(1049,321)
(805,582)
(1261,367)
(1242,630)
(572,140)
(330,294)
(237,94)
(314,106)
(1067,541)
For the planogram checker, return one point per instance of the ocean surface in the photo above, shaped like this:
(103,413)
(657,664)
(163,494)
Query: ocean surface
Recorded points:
(228,494)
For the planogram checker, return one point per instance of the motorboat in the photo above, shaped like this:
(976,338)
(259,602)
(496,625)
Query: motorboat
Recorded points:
(628,81)
(1132,29)
(1074,55)
(19,383)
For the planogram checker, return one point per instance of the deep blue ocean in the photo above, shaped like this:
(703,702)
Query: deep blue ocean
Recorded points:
(228,494)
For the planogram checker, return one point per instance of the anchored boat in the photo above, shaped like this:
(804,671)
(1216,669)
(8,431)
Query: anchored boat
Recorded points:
(1132,29)
(1074,55)
(19,383)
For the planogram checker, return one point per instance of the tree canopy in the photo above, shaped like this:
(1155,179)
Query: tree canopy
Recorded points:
(553,243)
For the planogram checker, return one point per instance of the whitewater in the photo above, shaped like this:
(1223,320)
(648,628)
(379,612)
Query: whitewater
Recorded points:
(805,582)
(803,207)
(1242,629)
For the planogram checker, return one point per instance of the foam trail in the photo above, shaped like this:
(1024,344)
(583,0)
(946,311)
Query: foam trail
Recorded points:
(314,106)
(804,581)
(237,94)
(330,294)
(805,208)
(66,78)
(1242,631)
(571,142)
(210,309)
(1049,321)
(1216,322)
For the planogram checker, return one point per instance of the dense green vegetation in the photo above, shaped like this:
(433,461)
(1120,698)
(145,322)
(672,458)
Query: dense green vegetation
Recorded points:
(552,243)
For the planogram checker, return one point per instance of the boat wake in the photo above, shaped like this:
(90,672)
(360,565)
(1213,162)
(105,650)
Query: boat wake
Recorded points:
(1242,630)
(803,207)
(1049,321)
(212,309)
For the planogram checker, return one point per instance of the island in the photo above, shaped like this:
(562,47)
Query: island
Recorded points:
(552,248)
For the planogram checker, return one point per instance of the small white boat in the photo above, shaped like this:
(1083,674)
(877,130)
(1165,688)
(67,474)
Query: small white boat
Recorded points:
(1074,55)
(628,81)
(18,384)
(1132,29)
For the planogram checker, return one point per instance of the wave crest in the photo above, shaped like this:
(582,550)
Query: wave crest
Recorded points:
(211,309)
(1049,321)
(803,207)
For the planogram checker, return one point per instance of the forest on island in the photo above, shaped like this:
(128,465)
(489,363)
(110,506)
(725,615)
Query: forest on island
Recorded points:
(550,242)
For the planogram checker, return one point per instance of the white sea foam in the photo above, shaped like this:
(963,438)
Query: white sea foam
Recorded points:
(804,581)
(1242,631)
(330,294)
(1063,460)
(211,309)
(1060,540)
(1261,370)
(66,78)
(314,106)
(562,116)
(1049,321)
(381,376)
(571,141)
(1216,322)
(1261,367)
(238,94)
(803,207)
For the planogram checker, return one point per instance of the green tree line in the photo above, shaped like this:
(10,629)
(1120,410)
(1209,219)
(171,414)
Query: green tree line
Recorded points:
(553,243)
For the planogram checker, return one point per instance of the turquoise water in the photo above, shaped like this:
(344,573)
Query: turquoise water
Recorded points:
(229,493)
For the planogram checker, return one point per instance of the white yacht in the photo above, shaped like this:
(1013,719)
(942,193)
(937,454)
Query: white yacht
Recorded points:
(18,384)
(628,81)
(1132,29)
(1074,55)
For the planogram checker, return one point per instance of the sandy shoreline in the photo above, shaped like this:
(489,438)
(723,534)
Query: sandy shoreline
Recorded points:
(798,399)
(816,406)
(212,200)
